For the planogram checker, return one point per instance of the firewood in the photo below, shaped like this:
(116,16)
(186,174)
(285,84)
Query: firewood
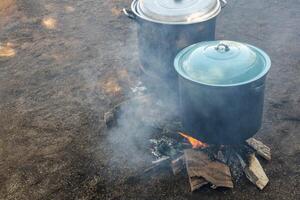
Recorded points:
(157,163)
(199,166)
(261,149)
(162,159)
(255,167)
(254,172)
(178,165)
(152,167)
(196,183)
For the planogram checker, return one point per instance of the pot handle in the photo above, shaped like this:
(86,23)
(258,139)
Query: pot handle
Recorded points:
(223,3)
(129,13)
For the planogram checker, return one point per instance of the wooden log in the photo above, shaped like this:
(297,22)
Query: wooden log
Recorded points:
(261,179)
(178,165)
(196,183)
(254,172)
(261,149)
(199,167)
(157,163)
(162,159)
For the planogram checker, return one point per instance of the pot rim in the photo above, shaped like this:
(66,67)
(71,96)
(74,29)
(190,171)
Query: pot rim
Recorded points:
(263,73)
(134,10)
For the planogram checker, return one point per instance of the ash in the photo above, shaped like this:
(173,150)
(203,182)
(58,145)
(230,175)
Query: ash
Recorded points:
(165,146)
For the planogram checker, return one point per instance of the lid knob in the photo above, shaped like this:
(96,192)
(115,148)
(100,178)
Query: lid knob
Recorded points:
(222,48)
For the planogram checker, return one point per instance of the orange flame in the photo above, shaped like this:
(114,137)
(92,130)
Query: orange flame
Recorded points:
(196,144)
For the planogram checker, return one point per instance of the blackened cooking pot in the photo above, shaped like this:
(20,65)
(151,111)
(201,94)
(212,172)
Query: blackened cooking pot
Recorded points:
(167,26)
(221,88)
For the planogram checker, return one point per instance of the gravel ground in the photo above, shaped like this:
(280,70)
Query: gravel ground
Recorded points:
(64,63)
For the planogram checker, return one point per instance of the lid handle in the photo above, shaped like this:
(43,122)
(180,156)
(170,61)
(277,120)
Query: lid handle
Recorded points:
(222,48)
(129,13)
(224,3)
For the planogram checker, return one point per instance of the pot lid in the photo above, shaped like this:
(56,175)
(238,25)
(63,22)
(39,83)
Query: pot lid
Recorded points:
(178,11)
(222,63)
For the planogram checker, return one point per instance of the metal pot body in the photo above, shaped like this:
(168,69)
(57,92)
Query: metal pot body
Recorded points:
(221,114)
(159,43)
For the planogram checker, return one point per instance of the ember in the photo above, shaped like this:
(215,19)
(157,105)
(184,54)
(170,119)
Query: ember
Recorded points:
(196,144)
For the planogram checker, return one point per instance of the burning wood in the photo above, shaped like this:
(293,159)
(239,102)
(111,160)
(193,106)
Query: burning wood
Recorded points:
(196,144)
(205,164)
(209,164)
(200,167)
(255,172)
(261,149)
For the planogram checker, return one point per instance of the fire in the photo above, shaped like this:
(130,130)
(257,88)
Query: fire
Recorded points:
(196,144)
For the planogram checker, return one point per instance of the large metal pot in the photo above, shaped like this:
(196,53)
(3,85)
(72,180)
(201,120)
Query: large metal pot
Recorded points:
(167,26)
(221,88)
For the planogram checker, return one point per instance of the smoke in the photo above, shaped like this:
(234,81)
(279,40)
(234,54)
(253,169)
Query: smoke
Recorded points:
(128,138)
(137,121)
(112,77)
(149,106)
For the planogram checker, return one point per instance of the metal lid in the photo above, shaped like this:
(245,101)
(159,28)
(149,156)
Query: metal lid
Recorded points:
(222,63)
(178,11)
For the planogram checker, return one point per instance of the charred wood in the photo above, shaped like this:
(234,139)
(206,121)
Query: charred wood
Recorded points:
(199,167)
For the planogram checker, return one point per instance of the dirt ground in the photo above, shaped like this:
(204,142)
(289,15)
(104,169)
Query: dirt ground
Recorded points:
(64,63)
